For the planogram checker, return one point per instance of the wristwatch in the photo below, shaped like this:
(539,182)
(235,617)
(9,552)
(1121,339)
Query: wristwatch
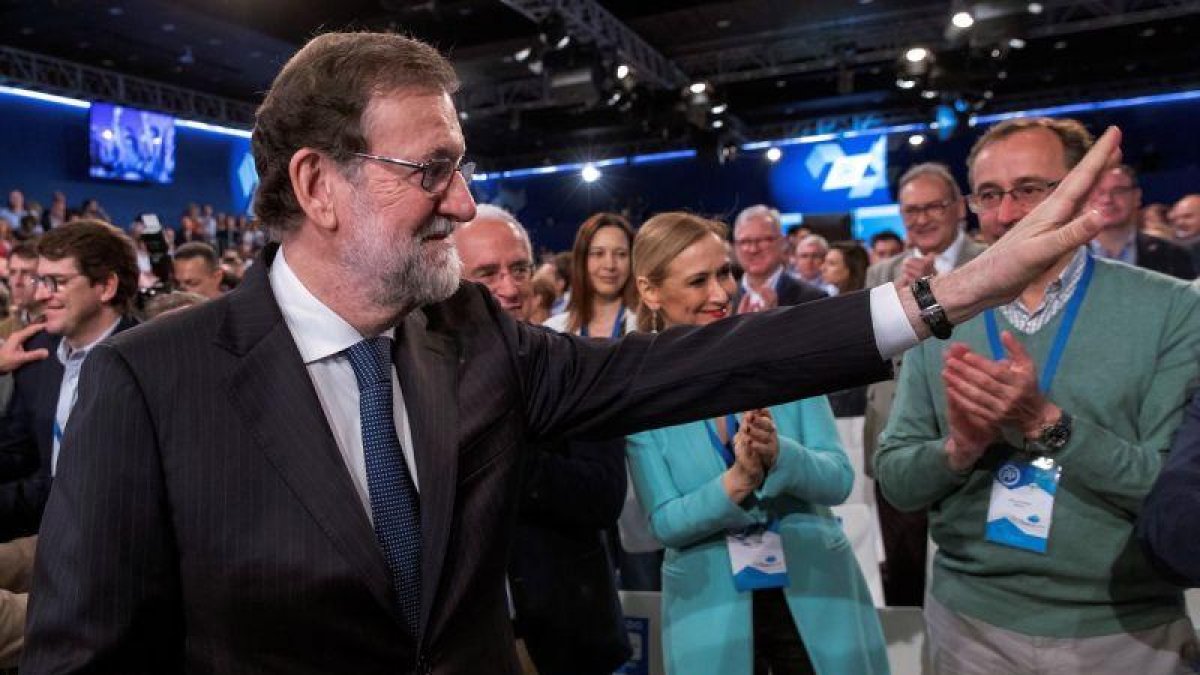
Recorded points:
(931,312)
(1053,437)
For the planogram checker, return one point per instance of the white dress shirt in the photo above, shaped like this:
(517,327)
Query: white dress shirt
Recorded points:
(68,390)
(323,338)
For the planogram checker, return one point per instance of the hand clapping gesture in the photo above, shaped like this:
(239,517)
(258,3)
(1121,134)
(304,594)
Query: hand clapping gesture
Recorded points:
(755,449)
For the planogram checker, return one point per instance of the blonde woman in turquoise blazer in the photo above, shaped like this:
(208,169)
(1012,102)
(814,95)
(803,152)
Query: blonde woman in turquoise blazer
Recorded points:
(694,497)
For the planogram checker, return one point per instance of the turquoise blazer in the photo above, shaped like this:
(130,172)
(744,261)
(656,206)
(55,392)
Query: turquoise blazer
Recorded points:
(706,621)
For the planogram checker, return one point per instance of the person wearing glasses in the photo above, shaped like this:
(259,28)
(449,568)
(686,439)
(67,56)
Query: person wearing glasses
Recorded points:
(319,472)
(86,281)
(761,251)
(1033,440)
(933,210)
(1118,201)
(565,610)
(807,260)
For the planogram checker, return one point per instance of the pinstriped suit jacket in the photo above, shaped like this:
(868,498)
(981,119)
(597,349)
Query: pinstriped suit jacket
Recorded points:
(203,520)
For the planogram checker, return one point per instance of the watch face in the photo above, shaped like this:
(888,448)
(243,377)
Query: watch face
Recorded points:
(1055,437)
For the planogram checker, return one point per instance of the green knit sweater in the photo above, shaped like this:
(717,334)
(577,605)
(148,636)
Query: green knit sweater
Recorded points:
(1131,362)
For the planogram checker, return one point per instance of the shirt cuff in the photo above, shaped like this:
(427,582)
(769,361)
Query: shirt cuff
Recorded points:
(894,335)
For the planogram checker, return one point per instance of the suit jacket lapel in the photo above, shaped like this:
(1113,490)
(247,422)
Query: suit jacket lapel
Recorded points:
(426,365)
(272,392)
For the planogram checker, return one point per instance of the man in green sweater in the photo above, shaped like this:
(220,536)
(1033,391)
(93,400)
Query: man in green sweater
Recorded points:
(1032,439)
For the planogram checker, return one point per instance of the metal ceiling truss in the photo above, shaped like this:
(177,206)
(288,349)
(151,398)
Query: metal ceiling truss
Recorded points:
(587,21)
(50,75)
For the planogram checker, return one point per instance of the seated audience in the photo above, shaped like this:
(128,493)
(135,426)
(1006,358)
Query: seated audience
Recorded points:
(757,485)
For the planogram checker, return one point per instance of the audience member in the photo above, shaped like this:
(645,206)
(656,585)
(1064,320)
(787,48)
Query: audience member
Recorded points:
(15,209)
(217,508)
(933,211)
(197,270)
(1153,221)
(169,303)
(22,269)
(1167,523)
(845,267)
(885,245)
(759,247)
(16,571)
(56,214)
(541,299)
(91,209)
(1033,460)
(1185,221)
(807,259)
(1118,199)
(86,281)
(564,596)
(603,297)
(759,483)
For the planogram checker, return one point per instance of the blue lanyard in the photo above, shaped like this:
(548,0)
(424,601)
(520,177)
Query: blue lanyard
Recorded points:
(1060,339)
(618,325)
(725,450)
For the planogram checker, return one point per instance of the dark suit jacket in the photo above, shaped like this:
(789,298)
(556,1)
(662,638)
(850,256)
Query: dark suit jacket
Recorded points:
(789,292)
(562,582)
(1163,256)
(27,438)
(1168,525)
(203,519)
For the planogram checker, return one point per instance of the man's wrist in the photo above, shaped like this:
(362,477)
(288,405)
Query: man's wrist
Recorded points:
(1048,415)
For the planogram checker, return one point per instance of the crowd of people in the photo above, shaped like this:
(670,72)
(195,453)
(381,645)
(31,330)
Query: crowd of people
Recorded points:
(356,462)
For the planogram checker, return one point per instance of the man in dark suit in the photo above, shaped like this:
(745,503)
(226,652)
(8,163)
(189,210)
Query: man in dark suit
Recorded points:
(760,248)
(86,282)
(564,596)
(1167,525)
(1118,201)
(328,483)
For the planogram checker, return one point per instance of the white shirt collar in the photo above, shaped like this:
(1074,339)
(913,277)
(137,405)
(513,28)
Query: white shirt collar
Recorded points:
(318,331)
(772,281)
(946,260)
(65,352)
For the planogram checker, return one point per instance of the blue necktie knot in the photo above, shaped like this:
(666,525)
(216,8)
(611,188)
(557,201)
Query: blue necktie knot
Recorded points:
(372,361)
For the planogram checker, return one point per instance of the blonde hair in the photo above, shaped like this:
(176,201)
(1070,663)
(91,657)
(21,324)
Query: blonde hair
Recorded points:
(659,241)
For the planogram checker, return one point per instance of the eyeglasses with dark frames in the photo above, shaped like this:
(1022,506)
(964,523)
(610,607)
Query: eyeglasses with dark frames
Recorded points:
(54,283)
(1029,193)
(436,174)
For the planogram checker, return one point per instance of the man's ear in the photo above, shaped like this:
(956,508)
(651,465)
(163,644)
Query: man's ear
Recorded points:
(649,293)
(109,287)
(312,175)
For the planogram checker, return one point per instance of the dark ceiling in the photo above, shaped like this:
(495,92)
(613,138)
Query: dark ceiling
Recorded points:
(778,64)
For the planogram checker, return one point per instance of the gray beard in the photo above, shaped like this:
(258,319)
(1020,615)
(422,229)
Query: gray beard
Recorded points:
(415,275)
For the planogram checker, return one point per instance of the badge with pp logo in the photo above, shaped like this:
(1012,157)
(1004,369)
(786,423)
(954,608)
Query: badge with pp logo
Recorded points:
(1022,504)
(756,555)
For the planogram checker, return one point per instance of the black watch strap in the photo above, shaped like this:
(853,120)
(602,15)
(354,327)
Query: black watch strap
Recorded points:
(931,312)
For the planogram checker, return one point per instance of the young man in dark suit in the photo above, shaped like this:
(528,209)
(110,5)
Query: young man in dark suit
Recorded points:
(85,283)
(328,482)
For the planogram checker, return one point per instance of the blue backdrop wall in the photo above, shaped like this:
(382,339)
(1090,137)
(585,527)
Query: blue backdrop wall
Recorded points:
(45,149)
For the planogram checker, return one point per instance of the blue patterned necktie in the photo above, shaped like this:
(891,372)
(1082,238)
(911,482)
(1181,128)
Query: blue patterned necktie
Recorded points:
(395,506)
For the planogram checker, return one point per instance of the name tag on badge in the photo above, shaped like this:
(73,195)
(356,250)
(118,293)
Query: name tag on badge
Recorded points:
(756,556)
(1022,505)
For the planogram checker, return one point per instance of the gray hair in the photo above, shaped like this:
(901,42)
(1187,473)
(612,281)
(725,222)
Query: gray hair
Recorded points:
(935,170)
(494,212)
(756,211)
(815,239)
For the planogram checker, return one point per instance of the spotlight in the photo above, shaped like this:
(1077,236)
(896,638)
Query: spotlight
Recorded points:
(963,20)
(1016,43)
(698,87)
(929,94)
(916,140)
(905,83)
(916,54)
(589,173)
(774,155)
(719,109)
(523,55)
(622,71)
(717,124)
(553,32)
(1035,8)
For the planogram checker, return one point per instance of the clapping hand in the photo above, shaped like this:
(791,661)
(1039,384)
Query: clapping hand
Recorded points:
(12,352)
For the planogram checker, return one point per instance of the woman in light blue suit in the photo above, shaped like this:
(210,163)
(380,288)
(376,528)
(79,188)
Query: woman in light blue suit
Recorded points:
(758,474)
